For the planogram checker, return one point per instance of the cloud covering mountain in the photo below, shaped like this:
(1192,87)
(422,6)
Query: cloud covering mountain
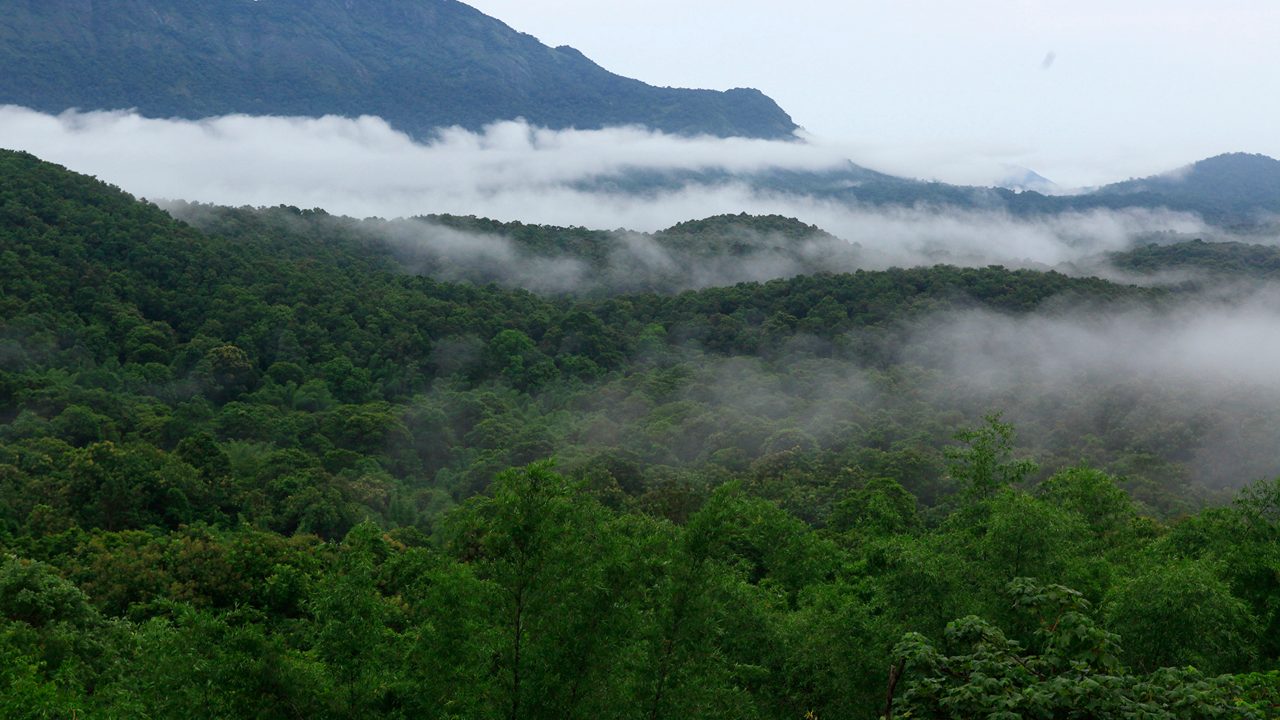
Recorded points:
(512,171)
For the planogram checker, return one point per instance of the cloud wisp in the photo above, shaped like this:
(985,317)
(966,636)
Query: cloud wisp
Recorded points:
(362,167)
(1201,366)
(1192,378)
(1180,396)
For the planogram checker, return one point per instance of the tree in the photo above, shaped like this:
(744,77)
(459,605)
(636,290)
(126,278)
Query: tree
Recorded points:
(1069,668)
(513,356)
(1097,498)
(352,636)
(1178,613)
(881,507)
(556,569)
(1028,537)
(118,487)
(984,463)
(201,664)
(48,639)
(228,370)
(450,643)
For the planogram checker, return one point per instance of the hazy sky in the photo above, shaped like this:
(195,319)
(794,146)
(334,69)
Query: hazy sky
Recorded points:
(1083,91)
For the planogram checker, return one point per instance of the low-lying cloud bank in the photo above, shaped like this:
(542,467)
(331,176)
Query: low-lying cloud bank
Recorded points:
(364,167)
(1193,381)
(1197,376)
(511,171)
(1178,396)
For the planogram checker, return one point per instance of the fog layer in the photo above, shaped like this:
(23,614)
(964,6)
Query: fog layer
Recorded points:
(511,171)
(1191,383)
(1179,396)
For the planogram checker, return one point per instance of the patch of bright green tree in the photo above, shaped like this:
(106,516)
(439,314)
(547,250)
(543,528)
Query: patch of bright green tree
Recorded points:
(266,473)
(537,599)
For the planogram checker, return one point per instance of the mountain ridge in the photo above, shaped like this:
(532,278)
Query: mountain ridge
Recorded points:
(419,64)
(1233,177)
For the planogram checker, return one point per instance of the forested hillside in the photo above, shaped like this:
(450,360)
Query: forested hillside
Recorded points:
(1218,260)
(1234,183)
(273,463)
(421,65)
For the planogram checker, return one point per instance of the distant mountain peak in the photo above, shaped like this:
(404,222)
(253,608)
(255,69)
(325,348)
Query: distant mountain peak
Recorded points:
(419,64)
(1240,157)
(1020,179)
(1234,168)
(1237,162)
(1243,186)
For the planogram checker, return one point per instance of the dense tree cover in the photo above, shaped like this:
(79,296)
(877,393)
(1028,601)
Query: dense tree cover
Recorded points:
(1231,259)
(265,472)
(718,251)
(539,600)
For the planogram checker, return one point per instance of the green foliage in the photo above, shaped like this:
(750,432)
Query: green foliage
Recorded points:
(1028,538)
(351,624)
(1179,614)
(1216,259)
(881,507)
(1097,498)
(983,464)
(201,664)
(1069,667)
(260,471)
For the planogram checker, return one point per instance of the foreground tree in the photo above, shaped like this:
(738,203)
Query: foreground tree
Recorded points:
(560,583)
(984,463)
(1068,668)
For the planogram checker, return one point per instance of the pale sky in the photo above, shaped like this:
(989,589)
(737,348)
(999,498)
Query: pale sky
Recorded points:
(1082,91)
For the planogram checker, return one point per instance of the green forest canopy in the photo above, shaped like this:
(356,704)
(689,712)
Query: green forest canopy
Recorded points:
(261,472)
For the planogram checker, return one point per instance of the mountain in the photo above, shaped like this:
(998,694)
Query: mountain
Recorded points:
(1234,182)
(1021,179)
(638,181)
(1238,190)
(419,64)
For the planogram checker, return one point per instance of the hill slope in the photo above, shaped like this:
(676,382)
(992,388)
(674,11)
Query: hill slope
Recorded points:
(419,64)
(1239,182)
(190,421)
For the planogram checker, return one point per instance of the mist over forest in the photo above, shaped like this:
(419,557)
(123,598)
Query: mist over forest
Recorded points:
(377,360)
(238,370)
(1189,356)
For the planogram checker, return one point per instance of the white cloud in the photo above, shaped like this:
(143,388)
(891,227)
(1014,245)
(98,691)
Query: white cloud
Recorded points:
(1197,369)
(952,90)
(511,171)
